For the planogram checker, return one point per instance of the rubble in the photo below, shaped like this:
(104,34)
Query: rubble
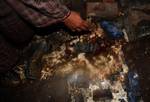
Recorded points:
(90,63)
(103,9)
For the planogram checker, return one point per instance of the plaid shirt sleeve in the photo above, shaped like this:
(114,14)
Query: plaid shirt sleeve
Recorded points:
(40,13)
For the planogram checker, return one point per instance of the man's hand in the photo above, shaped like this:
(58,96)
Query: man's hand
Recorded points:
(75,22)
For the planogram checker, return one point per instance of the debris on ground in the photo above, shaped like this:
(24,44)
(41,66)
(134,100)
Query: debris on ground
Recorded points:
(90,59)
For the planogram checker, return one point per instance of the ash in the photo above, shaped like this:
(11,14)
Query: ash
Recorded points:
(93,65)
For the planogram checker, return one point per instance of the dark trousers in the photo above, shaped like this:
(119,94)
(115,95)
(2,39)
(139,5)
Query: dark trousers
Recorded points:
(15,34)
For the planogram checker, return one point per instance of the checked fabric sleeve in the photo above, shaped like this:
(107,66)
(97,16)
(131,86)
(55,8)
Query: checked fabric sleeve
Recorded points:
(40,13)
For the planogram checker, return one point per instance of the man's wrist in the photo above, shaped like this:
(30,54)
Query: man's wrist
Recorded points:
(66,16)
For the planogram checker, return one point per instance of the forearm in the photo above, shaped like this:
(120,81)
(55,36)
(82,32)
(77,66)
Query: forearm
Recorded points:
(50,8)
(40,13)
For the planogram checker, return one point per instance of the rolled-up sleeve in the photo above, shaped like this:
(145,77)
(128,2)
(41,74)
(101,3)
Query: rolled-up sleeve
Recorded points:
(41,13)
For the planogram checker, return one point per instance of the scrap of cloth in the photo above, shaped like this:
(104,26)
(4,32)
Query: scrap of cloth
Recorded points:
(40,13)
